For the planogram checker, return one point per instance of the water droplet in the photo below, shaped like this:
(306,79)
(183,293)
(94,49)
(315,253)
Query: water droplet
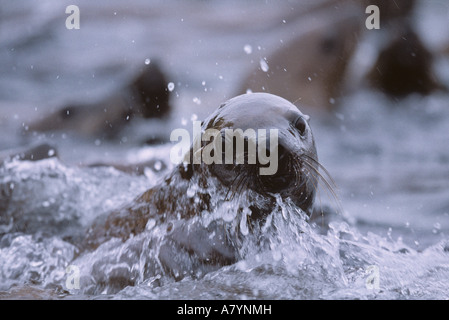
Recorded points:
(309,78)
(36,264)
(331,100)
(340,116)
(197,100)
(248,49)
(158,165)
(190,193)
(264,65)
(184,121)
(194,117)
(436,227)
(147,61)
(150,224)
(171,86)
(203,83)
(242,265)
(277,255)
(243,225)
(249,91)
(51,152)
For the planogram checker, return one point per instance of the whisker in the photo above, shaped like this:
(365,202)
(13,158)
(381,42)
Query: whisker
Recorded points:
(296,101)
(231,187)
(314,181)
(238,185)
(297,172)
(243,185)
(314,161)
(326,183)
(329,186)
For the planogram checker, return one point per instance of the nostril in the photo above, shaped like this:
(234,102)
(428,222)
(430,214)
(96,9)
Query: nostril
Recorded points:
(301,125)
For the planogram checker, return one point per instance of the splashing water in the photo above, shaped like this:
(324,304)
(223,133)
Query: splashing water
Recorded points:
(287,257)
(264,65)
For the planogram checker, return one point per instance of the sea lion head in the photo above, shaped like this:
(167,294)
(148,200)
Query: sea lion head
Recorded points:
(404,67)
(186,243)
(291,168)
(150,91)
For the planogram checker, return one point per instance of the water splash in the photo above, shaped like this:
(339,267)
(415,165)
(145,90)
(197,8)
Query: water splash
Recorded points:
(285,257)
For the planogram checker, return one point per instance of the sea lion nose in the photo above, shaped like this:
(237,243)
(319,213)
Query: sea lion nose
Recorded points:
(283,176)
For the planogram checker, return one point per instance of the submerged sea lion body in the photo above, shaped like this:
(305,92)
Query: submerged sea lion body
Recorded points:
(145,96)
(199,190)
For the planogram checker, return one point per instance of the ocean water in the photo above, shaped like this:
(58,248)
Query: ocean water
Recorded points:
(389,159)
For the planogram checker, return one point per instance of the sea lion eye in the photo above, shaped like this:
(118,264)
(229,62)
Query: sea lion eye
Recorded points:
(301,125)
(67,112)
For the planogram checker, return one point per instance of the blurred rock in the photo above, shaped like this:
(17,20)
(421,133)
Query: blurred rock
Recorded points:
(34,153)
(145,96)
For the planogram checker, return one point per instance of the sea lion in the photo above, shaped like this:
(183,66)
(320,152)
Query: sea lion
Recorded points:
(311,67)
(403,67)
(144,96)
(202,190)
(315,67)
(403,63)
